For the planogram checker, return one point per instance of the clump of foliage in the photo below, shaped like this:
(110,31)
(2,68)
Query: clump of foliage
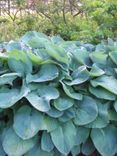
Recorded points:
(57,97)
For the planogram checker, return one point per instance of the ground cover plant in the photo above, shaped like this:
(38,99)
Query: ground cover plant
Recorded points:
(57,97)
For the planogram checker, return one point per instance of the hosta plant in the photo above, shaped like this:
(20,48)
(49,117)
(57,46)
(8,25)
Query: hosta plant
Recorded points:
(57,97)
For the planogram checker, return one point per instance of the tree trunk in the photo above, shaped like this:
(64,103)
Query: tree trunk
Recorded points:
(9,6)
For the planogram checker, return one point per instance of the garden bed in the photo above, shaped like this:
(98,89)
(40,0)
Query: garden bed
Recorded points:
(58,97)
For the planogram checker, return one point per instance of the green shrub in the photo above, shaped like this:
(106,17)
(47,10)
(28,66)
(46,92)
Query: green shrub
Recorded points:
(57,97)
(87,20)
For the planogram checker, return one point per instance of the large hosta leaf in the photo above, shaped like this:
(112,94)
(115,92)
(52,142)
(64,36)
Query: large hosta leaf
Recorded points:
(44,123)
(27,122)
(8,78)
(81,135)
(37,151)
(79,76)
(58,53)
(96,71)
(105,140)
(86,112)
(48,92)
(41,99)
(17,66)
(34,39)
(63,103)
(68,115)
(102,119)
(88,147)
(12,45)
(50,124)
(53,112)
(107,82)
(19,62)
(15,146)
(75,150)
(82,56)
(13,95)
(89,47)
(37,42)
(99,57)
(41,53)
(47,72)
(113,56)
(70,92)
(102,93)
(36,59)
(46,142)
(64,137)
(57,39)
(40,103)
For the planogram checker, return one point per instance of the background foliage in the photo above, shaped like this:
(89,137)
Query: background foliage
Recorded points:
(86,20)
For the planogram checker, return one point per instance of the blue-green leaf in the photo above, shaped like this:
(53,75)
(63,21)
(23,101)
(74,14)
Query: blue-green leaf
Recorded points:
(96,71)
(113,56)
(31,35)
(86,112)
(88,147)
(40,99)
(58,53)
(27,122)
(47,72)
(79,76)
(99,57)
(102,93)
(75,150)
(70,92)
(13,95)
(81,135)
(48,92)
(37,151)
(19,62)
(40,103)
(64,137)
(50,124)
(15,146)
(82,56)
(68,115)
(8,78)
(63,103)
(46,142)
(13,45)
(107,82)
(53,112)
(102,119)
(105,140)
